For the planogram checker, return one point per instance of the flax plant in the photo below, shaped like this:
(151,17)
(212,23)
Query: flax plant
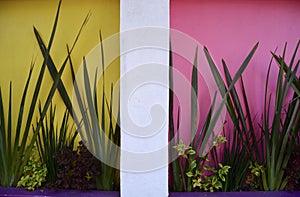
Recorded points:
(243,142)
(206,131)
(281,128)
(52,137)
(92,121)
(15,143)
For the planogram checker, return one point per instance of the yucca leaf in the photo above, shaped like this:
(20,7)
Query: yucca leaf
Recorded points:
(103,90)
(177,177)
(243,66)
(9,120)
(50,64)
(194,96)
(281,63)
(222,88)
(4,159)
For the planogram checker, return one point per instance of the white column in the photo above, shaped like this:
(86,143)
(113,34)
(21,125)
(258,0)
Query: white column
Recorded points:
(144,42)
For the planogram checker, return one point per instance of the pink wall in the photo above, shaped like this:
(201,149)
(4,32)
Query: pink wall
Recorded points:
(229,29)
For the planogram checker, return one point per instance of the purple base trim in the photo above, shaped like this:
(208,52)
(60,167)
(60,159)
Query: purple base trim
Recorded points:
(236,194)
(21,192)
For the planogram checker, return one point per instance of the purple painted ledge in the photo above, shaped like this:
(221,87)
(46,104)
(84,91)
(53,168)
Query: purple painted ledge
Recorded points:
(20,192)
(237,194)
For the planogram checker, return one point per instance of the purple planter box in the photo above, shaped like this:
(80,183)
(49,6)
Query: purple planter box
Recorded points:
(20,192)
(236,194)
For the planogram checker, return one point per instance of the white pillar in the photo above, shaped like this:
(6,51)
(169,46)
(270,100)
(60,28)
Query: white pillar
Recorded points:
(144,43)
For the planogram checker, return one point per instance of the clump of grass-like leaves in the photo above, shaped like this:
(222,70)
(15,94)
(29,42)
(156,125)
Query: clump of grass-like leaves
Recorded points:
(15,141)
(206,132)
(91,123)
(281,128)
(52,137)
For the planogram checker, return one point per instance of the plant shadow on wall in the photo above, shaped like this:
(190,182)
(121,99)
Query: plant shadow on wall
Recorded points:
(250,159)
(50,157)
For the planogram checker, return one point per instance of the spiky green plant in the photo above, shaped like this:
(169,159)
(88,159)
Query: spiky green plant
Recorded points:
(52,137)
(281,128)
(50,140)
(243,144)
(15,143)
(206,132)
(93,120)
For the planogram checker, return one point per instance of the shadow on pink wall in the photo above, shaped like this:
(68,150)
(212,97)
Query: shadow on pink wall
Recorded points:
(229,29)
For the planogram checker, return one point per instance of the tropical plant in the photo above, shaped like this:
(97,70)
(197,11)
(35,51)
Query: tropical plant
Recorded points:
(34,172)
(281,128)
(52,137)
(15,142)
(200,142)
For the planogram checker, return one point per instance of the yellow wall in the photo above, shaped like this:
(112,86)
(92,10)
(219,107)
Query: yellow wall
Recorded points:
(18,45)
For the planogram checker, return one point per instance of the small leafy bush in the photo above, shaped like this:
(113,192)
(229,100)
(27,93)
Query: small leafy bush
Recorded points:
(252,181)
(201,176)
(76,169)
(34,172)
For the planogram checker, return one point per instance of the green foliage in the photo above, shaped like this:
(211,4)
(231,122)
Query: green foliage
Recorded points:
(280,128)
(243,143)
(177,178)
(93,121)
(252,182)
(206,131)
(203,177)
(52,137)
(15,143)
(256,169)
(101,139)
(34,172)
(213,182)
(108,180)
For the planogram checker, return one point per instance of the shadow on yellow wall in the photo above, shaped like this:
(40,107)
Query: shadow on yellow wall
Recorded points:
(18,45)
